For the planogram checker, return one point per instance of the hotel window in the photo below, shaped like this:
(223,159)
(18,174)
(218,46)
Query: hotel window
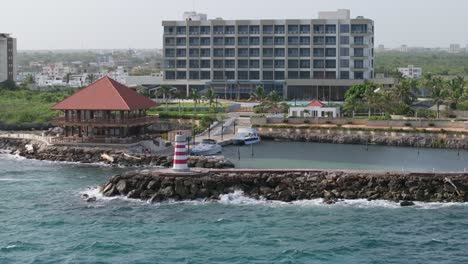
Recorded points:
(170,64)
(254,52)
(267,52)
(254,29)
(344,28)
(359,75)
(293,29)
(330,64)
(304,75)
(293,64)
(359,40)
(181,42)
(254,64)
(243,29)
(194,53)
(330,52)
(279,41)
(229,64)
(293,75)
(218,75)
(205,75)
(304,64)
(330,75)
(319,40)
(254,75)
(279,63)
(359,28)
(268,41)
(194,30)
(243,75)
(330,29)
(279,29)
(293,40)
(344,75)
(181,30)
(319,75)
(194,75)
(279,52)
(169,30)
(279,75)
(181,75)
(267,29)
(205,30)
(304,41)
(304,52)
(344,40)
(267,75)
(169,53)
(218,52)
(181,63)
(230,75)
(243,52)
(181,52)
(218,64)
(205,64)
(293,52)
(205,53)
(319,29)
(205,41)
(229,52)
(330,40)
(319,52)
(194,41)
(169,42)
(218,30)
(358,64)
(230,30)
(254,41)
(305,29)
(318,64)
(244,41)
(344,51)
(267,64)
(229,41)
(358,52)
(194,64)
(243,64)
(170,75)
(218,41)
(344,63)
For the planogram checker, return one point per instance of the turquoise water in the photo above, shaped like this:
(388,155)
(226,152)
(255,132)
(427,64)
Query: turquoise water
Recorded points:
(45,221)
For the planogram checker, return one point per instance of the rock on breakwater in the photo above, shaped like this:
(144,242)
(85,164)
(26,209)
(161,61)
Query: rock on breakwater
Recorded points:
(34,150)
(288,186)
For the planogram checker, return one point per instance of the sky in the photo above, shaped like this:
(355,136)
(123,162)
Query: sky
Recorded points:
(124,24)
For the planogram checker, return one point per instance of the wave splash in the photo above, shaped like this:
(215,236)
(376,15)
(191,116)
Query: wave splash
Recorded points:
(239,198)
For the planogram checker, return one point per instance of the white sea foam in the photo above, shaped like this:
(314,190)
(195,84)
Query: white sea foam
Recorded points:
(238,198)
(16,180)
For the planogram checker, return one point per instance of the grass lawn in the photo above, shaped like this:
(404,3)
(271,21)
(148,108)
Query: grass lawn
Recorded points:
(26,106)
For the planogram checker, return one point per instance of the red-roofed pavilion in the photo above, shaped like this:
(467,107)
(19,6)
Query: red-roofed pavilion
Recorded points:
(105,111)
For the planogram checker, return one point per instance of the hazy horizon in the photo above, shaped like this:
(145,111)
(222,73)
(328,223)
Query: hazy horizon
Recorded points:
(123,24)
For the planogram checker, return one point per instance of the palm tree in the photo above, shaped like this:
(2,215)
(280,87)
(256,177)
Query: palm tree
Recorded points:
(90,78)
(210,96)
(258,94)
(29,79)
(456,89)
(273,101)
(437,89)
(195,96)
(404,90)
(165,91)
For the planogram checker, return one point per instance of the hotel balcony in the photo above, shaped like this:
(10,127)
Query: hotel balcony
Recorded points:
(103,122)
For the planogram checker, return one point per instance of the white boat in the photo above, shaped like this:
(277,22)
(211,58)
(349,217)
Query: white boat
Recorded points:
(206,148)
(246,136)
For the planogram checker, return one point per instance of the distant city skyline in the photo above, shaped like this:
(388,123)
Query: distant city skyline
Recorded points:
(123,24)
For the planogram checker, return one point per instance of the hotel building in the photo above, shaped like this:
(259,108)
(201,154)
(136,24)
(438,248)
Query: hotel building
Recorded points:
(7,57)
(301,58)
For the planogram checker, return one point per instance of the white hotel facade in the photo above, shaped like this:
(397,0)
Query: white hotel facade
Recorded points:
(301,58)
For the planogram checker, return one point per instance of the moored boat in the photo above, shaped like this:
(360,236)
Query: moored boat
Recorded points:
(206,148)
(246,136)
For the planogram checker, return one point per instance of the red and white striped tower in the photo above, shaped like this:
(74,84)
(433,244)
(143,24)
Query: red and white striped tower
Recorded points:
(180,154)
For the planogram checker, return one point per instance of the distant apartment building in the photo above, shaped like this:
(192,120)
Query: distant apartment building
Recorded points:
(301,58)
(381,48)
(403,48)
(455,48)
(7,57)
(411,72)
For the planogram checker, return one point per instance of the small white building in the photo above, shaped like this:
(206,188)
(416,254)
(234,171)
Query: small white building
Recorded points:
(411,72)
(315,109)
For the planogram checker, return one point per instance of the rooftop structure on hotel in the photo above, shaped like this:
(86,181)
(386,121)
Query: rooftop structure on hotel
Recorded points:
(106,111)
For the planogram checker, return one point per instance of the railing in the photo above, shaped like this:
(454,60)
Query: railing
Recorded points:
(146,119)
(44,139)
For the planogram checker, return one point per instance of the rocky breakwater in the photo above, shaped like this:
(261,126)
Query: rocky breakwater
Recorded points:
(332,186)
(34,150)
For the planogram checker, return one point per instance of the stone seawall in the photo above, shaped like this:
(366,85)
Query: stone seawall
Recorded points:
(287,186)
(387,138)
(40,151)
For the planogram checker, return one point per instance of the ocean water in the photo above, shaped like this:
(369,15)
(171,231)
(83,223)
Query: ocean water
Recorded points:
(43,220)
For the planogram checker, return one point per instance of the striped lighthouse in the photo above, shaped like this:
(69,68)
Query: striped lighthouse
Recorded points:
(180,154)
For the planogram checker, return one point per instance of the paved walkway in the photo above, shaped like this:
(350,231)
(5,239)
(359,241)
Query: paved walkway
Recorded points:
(224,131)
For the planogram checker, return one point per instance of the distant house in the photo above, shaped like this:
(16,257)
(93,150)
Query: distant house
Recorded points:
(315,109)
(411,72)
(104,112)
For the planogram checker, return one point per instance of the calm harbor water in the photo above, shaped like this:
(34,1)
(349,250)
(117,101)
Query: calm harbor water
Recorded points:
(45,221)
